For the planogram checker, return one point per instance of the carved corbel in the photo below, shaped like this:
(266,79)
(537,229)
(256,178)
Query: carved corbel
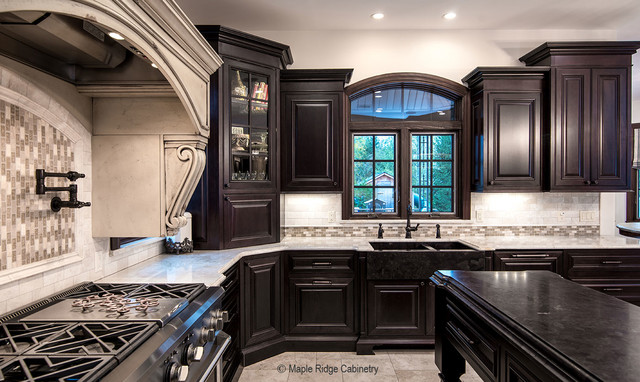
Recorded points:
(184,163)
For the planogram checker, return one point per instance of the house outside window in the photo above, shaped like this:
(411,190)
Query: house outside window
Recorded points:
(406,134)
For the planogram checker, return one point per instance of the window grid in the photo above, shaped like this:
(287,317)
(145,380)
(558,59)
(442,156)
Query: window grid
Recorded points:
(426,149)
(374,186)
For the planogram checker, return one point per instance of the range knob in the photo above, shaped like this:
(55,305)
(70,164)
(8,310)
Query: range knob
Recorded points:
(207,335)
(218,318)
(177,372)
(193,354)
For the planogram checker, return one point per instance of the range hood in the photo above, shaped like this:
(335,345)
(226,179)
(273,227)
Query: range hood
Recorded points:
(69,39)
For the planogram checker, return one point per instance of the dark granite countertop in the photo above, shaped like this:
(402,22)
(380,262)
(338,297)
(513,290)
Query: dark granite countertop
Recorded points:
(598,332)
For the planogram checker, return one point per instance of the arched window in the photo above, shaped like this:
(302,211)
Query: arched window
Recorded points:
(407,143)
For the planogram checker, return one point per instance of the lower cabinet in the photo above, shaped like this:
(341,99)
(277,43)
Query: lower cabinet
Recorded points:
(231,303)
(260,299)
(525,260)
(614,272)
(397,308)
(321,305)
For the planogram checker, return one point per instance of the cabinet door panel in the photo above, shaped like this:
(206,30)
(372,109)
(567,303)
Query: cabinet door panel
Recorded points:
(261,299)
(610,130)
(572,118)
(311,142)
(321,305)
(250,219)
(513,140)
(396,308)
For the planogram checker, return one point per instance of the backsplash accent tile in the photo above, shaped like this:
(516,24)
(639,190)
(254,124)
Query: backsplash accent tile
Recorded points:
(29,230)
(457,230)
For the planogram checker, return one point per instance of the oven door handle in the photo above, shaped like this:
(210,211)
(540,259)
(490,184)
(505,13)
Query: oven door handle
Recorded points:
(217,360)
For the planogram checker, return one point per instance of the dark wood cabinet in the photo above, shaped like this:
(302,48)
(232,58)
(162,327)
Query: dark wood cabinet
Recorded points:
(312,119)
(526,260)
(321,305)
(590,95)
(321,308)
(250,219)
(508,119)
(397,308)
(612,271)
(240,182)
(261,281)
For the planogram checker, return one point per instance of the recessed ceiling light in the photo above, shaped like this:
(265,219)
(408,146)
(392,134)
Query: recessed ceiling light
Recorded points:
(377,16)
(115,36)
(449,15)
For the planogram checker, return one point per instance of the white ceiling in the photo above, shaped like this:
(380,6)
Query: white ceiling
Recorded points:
(264,15)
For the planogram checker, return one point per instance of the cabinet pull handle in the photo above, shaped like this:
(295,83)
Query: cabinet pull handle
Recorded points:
(322,282)
(464,336)
(611,262)
(335,183)
(226,198)
(612,289)
(587,182)
(321,264)
(595,182)
(531,255)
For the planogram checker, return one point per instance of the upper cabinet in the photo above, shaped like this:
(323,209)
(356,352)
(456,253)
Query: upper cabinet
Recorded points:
(312,120)
(508,119)
(590,105)
(237,201)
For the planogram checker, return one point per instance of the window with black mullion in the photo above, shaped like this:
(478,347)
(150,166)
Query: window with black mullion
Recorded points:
(432,171)
(374,173)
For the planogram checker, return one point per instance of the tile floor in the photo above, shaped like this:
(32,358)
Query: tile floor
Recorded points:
(392,366)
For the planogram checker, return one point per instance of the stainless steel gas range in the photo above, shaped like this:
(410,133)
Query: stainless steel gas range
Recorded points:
(117,332)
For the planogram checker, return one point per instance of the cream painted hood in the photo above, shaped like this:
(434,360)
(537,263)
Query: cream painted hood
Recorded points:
(149,132)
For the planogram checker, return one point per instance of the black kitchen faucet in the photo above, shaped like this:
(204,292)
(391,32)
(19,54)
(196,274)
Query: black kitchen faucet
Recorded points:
(409,228)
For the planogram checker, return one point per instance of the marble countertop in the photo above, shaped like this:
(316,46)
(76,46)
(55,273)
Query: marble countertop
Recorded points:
(207,266)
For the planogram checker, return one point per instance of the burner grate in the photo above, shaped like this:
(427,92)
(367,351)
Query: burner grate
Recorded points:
(107,338)
(54,368)
(188,291)
(16,338)
(102,288)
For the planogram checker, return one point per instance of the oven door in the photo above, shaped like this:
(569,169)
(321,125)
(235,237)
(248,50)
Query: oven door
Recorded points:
(213,373)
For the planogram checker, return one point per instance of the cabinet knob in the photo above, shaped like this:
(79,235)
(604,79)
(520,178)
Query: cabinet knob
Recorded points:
(492,182)
(226,198)
(226,185)
(587,182)
(335,183)
(421,283)
(595,182)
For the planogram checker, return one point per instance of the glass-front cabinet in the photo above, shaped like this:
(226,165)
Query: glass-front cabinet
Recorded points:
(249,136)
(237,202)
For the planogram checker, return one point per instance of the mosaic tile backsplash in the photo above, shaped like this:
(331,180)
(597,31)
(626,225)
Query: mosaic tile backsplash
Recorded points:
(29,230)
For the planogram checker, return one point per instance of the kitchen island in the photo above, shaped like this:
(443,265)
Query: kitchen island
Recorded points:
(533,326)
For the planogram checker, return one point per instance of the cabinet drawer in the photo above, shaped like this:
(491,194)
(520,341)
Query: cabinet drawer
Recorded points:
(603,265)
(528,261)
(472,339)
(626,292)
(317,262)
